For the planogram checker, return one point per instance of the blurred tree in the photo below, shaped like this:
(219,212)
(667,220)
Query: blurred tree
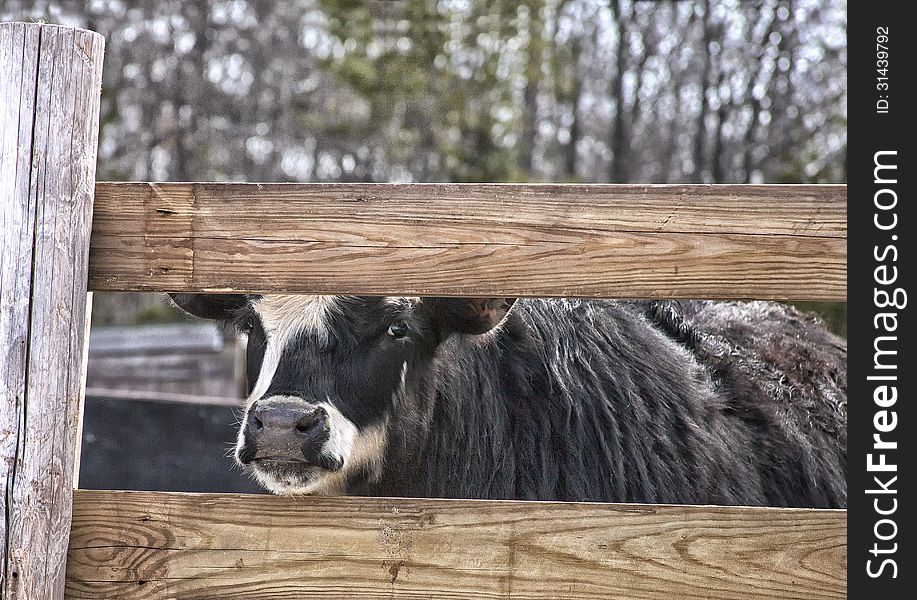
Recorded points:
(468,90)
(326,90)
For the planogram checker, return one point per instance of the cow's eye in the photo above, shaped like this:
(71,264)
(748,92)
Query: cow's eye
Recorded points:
(398,329)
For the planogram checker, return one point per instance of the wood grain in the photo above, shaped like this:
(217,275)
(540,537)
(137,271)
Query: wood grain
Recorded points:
(133,545)
(50,79)
(627,241)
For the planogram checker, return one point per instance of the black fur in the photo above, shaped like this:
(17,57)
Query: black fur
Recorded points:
(666,402)
(699,402)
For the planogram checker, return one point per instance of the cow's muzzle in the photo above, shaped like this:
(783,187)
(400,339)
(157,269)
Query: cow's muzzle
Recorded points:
(286,432)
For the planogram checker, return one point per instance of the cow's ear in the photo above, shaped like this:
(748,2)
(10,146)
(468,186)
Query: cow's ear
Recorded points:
(210,306)
(468,315)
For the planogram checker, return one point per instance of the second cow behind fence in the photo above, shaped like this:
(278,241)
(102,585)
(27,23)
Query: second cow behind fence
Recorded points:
(660,402)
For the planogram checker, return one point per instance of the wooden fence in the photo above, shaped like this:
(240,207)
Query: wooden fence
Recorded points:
(684,241)
(175,362)
(138,545)
(705,241)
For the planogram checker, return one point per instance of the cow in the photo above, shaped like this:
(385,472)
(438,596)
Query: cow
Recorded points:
(694,402)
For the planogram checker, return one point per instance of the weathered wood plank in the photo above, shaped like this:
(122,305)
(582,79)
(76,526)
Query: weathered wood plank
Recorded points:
(628,241)
(50,78)
(133,545)
(175,362)
(160,338)
(163,397)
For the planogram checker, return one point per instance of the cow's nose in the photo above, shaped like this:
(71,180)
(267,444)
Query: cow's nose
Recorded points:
(284,431)
(289,417)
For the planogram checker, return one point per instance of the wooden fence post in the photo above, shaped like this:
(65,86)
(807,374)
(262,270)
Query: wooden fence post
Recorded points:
(50,82)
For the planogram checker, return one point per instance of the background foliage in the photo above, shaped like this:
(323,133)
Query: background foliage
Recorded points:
(466,90)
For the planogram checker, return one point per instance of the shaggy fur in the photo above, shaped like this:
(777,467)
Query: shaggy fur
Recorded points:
(661,402)
(654,402)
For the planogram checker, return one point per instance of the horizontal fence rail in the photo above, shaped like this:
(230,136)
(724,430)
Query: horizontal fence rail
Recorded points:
(162,397)
(133,545)
(627,241)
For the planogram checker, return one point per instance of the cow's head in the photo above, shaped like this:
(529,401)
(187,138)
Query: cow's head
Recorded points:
(328,374)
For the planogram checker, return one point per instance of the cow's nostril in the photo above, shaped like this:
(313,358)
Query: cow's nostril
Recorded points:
(308,422)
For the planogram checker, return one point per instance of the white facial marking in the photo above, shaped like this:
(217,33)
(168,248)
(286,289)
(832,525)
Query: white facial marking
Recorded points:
(366,450)
(342,435)
(400,302)
(283,317)
(295,312)
(398,399)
